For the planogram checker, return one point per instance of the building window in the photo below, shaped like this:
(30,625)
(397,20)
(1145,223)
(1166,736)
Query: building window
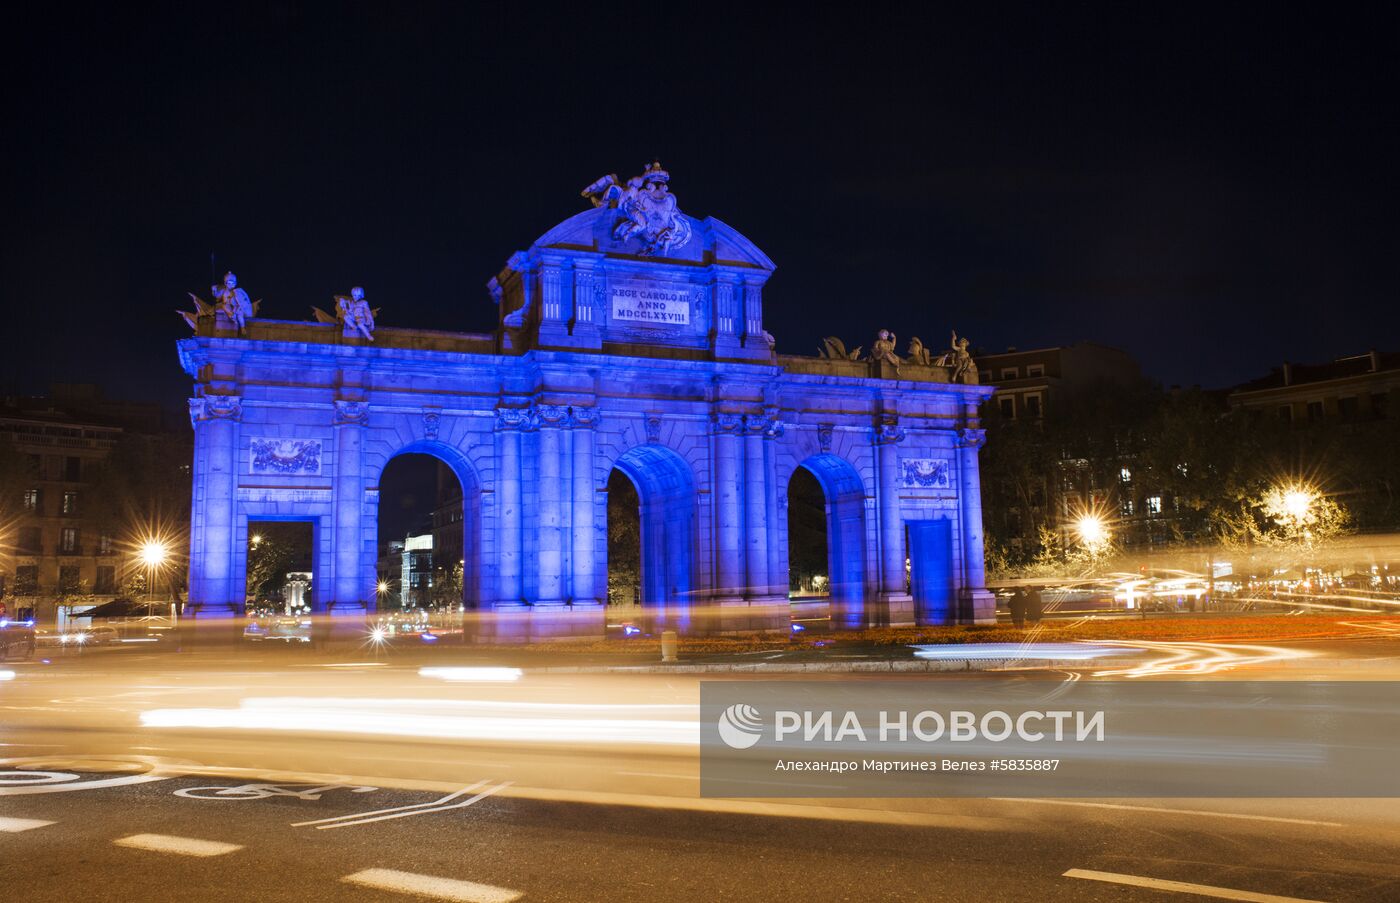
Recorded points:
(68,541)
(1032,405)
(1154,505)
(1035,370)
(1378,400)
(1125,476)
(1010,372)
(31,500)
(1314,411)
(30,541)
(1125,508)
(1285,413)
(106,580)
(73,469)
(1008,407)
(27,580)
(70,503)
(69,581)
(104,544)
(1347,407)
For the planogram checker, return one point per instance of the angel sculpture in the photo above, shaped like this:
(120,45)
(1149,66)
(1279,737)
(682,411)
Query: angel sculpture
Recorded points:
(959,361)
(233,302)
(883,349)
(835,349)
(352,312)
(917,353)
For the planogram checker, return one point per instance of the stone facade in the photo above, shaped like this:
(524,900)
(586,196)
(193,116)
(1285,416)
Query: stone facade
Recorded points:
(607,356)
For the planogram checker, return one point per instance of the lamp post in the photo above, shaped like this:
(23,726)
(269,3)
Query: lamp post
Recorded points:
(1093,534)
(153,555)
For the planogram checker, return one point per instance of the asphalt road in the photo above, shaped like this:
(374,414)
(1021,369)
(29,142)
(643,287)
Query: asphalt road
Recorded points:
(97,804)
(78,845)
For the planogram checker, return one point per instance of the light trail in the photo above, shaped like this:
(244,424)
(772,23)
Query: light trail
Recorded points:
(549,723)
(1200,658)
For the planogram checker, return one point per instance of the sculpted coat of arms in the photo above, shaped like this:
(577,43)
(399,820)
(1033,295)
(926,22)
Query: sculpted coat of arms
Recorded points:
(646,209)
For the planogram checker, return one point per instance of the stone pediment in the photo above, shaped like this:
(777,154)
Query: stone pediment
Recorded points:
(712,241)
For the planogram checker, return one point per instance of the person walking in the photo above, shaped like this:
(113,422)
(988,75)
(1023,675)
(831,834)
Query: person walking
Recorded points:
(1018,607)
(1035,605)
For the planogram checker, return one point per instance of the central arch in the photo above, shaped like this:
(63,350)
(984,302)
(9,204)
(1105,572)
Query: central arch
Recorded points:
(845,537)
(470,552)
(666,495)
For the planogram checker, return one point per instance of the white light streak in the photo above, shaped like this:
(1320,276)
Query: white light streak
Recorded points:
(554,723)
(493,675)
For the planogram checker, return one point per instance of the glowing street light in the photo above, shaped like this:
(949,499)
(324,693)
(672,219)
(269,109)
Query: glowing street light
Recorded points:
(1093,532)
(1296,502)
(383,587)
(153,553)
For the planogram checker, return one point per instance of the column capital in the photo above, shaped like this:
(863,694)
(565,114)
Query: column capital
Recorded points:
(729,423)
(351,413)
(508,419)
(583,417)
(204,408)
(889,432)
(766,425)
(972,438)
(550,416)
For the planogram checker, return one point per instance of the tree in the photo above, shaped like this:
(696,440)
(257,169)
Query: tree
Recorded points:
(270,559)
(447,586)
(624,539)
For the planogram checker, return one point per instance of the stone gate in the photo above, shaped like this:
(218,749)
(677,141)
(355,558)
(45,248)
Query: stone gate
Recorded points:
(630,336)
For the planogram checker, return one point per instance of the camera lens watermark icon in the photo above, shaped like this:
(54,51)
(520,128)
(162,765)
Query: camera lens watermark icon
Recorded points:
(740,726)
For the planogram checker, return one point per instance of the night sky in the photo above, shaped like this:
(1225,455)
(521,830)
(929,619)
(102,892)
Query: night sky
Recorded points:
(1213,195)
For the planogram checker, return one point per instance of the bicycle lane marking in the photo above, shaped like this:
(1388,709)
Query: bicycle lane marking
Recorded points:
(19,785)
(265,791)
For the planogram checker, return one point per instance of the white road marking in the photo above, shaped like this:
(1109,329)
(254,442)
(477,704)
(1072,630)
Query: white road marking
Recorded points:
(1241,815)
(16,825)
(462,805)
(32,778)
(1182,887)
(183,846)
(358,815)
(84,785)
(432,886)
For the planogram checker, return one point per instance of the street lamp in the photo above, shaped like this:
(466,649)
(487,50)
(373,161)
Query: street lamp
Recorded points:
(153,555)
(1295,503)
(1093,533)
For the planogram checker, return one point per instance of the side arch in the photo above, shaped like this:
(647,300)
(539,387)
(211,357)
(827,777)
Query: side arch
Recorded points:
(845,537)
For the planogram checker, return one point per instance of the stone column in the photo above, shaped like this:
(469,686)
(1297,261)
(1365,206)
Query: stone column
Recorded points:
(348,495)
(727,320)
(892,555)
(729,581)
(777,564)
(756,582)
(551,420)
(509,423)
(583,420)
(213,585)
(976,604)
